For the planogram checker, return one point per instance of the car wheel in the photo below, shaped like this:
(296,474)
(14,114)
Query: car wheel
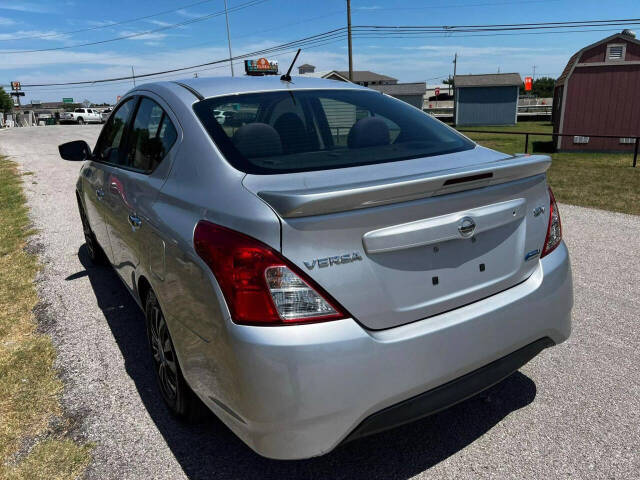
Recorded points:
(96,254)
(81,121)
(175,391)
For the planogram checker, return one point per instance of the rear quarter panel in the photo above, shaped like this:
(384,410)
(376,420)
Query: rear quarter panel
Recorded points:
(201,185)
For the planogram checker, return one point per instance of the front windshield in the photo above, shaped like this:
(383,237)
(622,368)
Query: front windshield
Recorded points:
(303,130)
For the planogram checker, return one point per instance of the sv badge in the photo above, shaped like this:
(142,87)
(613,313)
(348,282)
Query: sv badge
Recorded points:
(331,261)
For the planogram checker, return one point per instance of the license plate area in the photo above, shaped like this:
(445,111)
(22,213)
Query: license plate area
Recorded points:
(441,273)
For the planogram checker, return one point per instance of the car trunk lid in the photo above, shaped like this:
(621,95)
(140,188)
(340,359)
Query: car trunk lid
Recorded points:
(394,248)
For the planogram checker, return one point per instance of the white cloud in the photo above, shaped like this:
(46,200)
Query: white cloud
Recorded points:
(100,23)
(20,6)
(160,23)
(4,21)
(143,36)
(410,65)
(50,35)
(187,14)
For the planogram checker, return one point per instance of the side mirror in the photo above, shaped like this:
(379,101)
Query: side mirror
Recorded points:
(77,150)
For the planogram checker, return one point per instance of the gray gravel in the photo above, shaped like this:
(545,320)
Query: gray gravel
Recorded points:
(573,412)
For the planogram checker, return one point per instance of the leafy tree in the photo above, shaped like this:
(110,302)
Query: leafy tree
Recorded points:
(542,87)
(6,102)
(448,81)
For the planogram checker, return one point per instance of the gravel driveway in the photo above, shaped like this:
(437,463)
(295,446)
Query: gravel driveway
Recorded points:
(573,412)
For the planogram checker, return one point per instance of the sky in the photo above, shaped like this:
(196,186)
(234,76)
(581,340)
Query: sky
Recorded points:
(155,43)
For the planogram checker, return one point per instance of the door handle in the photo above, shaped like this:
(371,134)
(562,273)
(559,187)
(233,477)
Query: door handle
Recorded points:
(135,221)
(113,187)
(99,193)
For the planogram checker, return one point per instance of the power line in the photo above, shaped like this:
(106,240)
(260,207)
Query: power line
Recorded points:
(251,3)
(106,25)
(454,5)
(332,34)
(377,29)
(161,76)
(502,25)
(374,31)
(459,35)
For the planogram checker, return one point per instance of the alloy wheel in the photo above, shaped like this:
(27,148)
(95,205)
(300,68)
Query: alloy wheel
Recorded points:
(163,354)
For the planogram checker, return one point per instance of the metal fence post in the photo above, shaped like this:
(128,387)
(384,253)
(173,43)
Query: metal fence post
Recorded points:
(526,143)
(635,152)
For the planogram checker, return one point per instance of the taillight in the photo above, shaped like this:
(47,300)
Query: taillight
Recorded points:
(554,230)
(259,285)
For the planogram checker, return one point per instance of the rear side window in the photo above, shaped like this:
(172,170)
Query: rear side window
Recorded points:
(304,130)
(151,137)
(109,148)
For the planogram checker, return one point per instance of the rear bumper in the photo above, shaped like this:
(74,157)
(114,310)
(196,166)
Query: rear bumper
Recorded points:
(299,391)
(450,393)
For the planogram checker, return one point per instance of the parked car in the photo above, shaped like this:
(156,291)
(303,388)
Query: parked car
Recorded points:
(105,114)
(312,287)
(81,116)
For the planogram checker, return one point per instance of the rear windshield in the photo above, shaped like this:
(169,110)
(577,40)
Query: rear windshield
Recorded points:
(296,131)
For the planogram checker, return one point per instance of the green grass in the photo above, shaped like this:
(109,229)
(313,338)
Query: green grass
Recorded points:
(600,180)
(29,385)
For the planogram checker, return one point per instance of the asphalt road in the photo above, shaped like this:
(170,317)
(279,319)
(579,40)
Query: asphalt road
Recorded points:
(573,412)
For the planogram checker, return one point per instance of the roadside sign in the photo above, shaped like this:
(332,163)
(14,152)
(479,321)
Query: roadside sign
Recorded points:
(528,82)
(262,66)
(67,100)
(437,91)
(15,86)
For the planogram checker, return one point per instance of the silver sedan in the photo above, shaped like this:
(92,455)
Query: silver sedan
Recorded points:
(325,263)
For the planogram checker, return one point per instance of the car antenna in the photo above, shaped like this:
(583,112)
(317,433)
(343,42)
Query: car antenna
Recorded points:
(287,76)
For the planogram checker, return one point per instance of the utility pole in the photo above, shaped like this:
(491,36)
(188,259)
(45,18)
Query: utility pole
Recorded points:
(133,76)
(226,16)
(455,97)
(455,64)
(349,37)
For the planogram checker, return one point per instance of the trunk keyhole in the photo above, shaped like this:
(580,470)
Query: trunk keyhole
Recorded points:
(482,267)
(434,280)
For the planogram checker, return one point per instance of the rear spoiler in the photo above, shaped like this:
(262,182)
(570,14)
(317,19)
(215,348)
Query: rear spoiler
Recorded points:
(303,203)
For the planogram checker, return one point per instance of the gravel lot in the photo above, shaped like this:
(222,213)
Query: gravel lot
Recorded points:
(573,412)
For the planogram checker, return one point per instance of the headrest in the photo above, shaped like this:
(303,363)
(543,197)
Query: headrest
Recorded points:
(368,132)
(293,134)
(290,121)
(257,140)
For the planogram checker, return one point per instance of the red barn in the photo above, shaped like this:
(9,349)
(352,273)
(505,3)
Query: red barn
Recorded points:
(598,93)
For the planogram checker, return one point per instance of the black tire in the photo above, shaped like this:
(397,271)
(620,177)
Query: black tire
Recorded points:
(80,121)
(175,391)
(94,250)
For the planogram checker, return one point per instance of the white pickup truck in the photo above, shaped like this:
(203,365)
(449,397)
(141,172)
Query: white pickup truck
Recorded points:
(81,116)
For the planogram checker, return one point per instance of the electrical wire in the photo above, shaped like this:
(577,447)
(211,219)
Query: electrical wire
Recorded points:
(106,24)
(308,44)
(374,31)
(201,18)
(174,75)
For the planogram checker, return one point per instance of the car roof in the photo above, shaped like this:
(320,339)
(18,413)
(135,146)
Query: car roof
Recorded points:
(217,86)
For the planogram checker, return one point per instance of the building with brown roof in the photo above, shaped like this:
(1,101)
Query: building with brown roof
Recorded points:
(412,93)
(598,93)
(367,78)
